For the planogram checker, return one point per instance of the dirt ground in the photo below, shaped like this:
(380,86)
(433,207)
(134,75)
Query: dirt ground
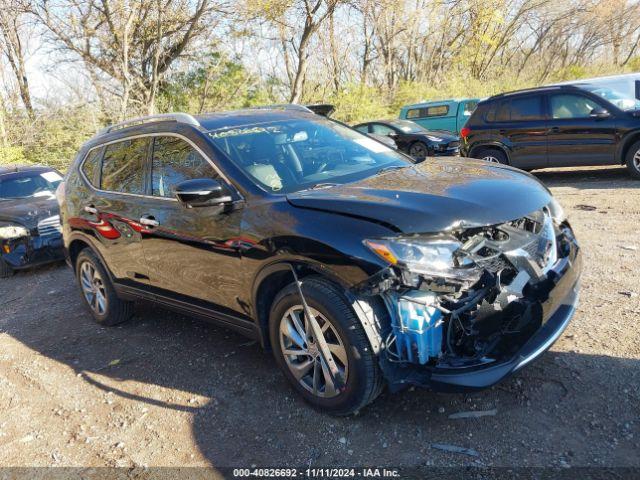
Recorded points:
(168,390)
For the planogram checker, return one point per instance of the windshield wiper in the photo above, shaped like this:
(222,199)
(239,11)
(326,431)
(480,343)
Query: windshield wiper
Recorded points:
(390,167)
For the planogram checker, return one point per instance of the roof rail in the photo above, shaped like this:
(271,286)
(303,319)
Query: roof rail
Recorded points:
(161,117)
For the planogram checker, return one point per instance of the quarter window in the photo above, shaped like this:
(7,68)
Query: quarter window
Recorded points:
(571,106)
(91,166)
(175,161)
(123,166)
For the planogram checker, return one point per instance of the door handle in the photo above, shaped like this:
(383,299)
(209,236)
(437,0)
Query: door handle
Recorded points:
(149,221)
(91,209)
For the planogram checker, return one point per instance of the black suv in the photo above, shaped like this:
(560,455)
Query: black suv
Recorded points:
(559,126)
(355,266)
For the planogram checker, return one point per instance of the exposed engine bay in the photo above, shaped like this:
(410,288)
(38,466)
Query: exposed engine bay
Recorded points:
(484,305)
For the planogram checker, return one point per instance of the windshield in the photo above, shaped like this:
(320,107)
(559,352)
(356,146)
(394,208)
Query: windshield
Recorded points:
(291,155)
(32,184)
(621,100)
(407,126)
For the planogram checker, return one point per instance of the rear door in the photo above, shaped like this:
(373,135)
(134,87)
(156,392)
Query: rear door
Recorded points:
(113,210)
(520,123)
(192,253)
(575,138)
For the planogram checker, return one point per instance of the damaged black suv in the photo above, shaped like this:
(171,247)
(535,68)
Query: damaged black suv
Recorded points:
(357,268)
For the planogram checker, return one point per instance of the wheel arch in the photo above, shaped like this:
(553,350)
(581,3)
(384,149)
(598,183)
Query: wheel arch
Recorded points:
(77,243)
(626,144)
(273,278)
(371,312)
(491,146)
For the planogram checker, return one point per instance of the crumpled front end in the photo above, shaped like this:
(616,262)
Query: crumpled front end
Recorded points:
(470,307)
(21,247)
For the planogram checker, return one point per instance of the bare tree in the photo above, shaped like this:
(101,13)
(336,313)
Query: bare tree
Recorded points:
(130,45)
(12,26)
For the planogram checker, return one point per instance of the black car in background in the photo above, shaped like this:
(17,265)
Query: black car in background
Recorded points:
(556,126)
(355,266)
(413,139)
(30,232)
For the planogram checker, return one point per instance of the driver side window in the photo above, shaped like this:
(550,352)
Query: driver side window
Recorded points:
(174,161)
(571,106)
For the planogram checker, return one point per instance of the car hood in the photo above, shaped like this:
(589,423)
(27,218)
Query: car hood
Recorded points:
(434,196)
(28,211)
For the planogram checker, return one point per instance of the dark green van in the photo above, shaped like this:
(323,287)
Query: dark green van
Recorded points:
(448,115)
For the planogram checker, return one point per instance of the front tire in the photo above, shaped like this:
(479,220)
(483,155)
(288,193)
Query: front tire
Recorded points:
(98,292)
(633,160)
(5,270)
(297,353)
(418,151)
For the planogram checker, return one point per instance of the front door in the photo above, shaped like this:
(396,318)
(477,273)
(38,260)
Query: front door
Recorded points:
(576,138)
(190,252)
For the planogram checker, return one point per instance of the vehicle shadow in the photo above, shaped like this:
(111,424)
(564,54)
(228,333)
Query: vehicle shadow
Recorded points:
(586,178)
(245,413)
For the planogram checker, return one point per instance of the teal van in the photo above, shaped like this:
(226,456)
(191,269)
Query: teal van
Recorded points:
(448,115)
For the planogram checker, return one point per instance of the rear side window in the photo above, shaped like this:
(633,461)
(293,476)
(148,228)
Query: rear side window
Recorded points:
(123,166)
(424,112)
(526,108)
(174,161)
(516,110)
(91,166)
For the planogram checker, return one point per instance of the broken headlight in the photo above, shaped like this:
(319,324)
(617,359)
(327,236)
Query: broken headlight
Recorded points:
(556,211)
(434,257)
(9,231)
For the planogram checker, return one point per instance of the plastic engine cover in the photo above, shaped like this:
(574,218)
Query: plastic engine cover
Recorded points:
(418,327)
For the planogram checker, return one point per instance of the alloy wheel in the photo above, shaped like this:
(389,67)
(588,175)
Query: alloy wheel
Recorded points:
(490,159)
(418,151)
(93,288)
(302,353)
(636,160)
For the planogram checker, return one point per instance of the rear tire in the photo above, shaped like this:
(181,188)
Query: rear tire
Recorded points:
(98,292)
(491,155)
(5,270)
(633,160)
(341,326)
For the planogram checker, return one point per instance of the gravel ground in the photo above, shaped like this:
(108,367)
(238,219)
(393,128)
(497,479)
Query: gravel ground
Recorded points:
(168,390)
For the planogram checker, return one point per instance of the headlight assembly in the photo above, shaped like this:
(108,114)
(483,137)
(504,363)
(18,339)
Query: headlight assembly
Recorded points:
(434,139)
(435,257)
(9,232)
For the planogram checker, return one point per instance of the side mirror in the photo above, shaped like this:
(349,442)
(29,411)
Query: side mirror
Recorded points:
(202,192)
(599,113)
